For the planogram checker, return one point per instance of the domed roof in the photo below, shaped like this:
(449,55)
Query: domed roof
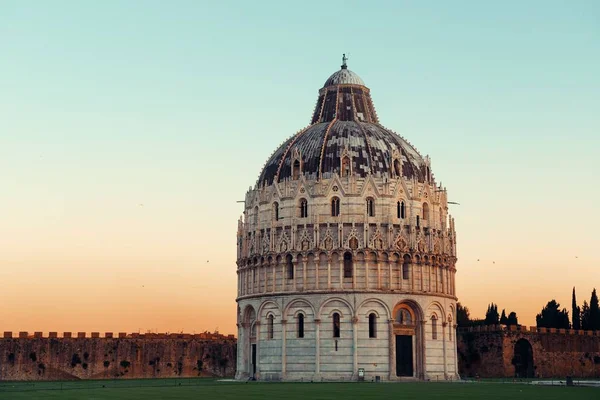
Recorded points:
(344,124)
(344,77)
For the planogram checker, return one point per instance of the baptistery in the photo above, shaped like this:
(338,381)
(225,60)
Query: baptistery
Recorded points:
(346,253)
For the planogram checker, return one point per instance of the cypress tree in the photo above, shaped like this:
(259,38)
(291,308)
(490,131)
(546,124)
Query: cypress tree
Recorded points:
(585,316)
(512,319)
(594,312)
(462,315)
(491,316)
(576,313)
(503,320)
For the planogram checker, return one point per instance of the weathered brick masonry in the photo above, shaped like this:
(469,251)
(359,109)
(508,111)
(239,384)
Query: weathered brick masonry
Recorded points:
(497,351)
(34,357)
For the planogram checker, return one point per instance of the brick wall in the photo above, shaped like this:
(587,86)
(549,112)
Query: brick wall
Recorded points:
(490,352)
(32,357)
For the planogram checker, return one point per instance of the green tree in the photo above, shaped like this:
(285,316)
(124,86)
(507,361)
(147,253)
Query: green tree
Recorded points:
(491,316)
(585,316)
(576,313)
(462,316)
(503,318)
(512,319)
(553,317)
(594,319)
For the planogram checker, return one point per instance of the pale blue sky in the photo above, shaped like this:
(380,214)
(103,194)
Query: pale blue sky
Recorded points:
(176,105)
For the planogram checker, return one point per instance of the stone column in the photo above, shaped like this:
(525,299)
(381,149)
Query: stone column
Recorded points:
(355,346)
(453,282)
(392,350)
(257,323)
(245,361)
(318,347)
(317,265)
(390,277)
(445,284)
(274,277)
(455,350)
(412,276)
(444,325)
(294,265)
(304,286)
(430,272)
(421,273)
(265,283)
(367,271)
(341,260)
(328,272)
(283,340)
(241,282)
(378,273)
(423,355)
(240,353)
(354,269)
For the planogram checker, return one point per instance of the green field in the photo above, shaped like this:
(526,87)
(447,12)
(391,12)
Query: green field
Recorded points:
(212,389)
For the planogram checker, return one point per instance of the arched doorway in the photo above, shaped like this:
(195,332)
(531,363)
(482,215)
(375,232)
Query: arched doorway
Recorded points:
(406,341)
(523,359)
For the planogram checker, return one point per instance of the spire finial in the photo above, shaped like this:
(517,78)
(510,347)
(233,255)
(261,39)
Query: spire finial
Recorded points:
(344,59)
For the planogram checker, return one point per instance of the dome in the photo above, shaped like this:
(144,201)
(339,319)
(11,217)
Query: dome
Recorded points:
(344,77)
(344,123)
(370,148)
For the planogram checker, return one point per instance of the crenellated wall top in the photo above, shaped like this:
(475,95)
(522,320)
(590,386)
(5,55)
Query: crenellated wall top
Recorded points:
(120,335)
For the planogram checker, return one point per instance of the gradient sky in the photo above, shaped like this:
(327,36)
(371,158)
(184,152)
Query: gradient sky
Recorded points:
(128,130)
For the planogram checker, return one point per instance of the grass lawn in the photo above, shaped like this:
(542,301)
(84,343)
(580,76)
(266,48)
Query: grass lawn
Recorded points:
(211,389)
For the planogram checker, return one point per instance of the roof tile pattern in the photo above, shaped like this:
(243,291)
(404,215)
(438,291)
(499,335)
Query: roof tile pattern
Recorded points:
(344,120)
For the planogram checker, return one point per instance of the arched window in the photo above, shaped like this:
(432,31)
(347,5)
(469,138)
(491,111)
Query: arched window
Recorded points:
(434,327)
(418,221)
(450,329)
(300,325)
(255,215)
(401,210)
(276,211)
(372,325)
(370,207)
(345,166)
(405,267)
(335,207)
(336,325)
(303,208)
(296,170)
(397,167)
(403,317)
(348,265)
(270,325)
(425,211)
(290,266)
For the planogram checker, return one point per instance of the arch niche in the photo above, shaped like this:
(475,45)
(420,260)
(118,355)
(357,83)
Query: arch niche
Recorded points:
(407,342)
(523,359)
